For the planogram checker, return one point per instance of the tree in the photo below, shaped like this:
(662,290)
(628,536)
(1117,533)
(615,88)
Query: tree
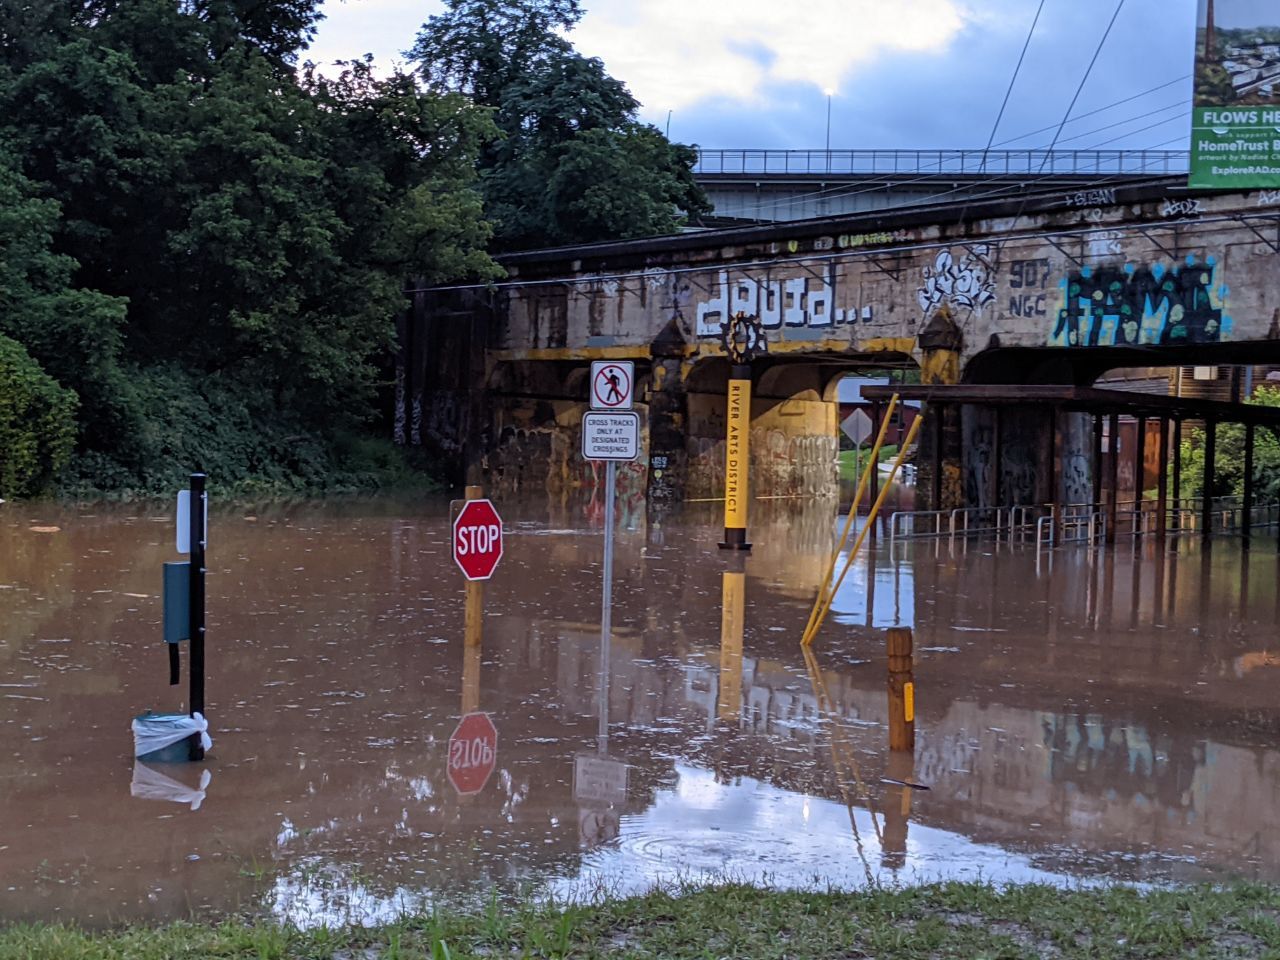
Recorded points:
(240,232)
(37,423)
(573,164)
(482,47)
(74,335)
(1229,457)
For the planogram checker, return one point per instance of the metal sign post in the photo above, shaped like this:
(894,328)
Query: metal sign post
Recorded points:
(199,505)
(611,432)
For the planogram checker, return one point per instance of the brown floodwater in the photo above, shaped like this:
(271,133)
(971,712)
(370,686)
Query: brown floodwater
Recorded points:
(1081,716)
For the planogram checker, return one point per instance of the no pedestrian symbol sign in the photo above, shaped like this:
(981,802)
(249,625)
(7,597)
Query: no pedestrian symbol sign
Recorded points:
(612,384)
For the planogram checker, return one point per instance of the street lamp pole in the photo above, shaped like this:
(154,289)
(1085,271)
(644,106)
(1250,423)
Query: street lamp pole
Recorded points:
(828,130)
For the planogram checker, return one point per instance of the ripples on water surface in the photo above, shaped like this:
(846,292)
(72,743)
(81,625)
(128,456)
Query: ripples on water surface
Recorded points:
(1083,717)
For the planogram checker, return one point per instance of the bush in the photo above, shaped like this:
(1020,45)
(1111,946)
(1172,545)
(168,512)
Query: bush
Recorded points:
(37,424)
(1229,458)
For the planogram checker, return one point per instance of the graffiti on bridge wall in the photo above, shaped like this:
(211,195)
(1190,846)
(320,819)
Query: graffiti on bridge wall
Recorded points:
(1117,306)
(790,302)
(965,278)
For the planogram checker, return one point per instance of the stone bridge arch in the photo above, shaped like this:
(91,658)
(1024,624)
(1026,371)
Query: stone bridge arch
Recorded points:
(795,422)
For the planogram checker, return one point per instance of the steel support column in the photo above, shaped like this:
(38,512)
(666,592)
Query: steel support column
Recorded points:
(1162,485)
(1210,474)
(1246,519)
(1113,475)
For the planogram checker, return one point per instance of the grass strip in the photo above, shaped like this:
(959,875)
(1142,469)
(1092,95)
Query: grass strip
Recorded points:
(945,920)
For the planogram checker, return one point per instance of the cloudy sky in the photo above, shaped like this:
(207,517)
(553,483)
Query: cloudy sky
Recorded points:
(901,73)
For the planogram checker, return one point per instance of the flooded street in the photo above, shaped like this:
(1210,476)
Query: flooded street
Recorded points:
(1081,715)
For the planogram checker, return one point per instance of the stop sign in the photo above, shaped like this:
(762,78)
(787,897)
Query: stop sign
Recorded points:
(473,752)
(477,539)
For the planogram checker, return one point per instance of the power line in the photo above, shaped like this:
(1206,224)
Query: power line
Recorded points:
(1102,109)
(1085,79)
(1181,104)
(839,192)
(1012,80)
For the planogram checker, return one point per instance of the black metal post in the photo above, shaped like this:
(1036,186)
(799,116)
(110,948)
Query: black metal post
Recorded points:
(1210,473)
(1139,476)
(997,458)
(873,489)
(1162,485)
(1246,520)
(937,412)
(1096,462)
(196,595)
(1177,474)
(1113,475)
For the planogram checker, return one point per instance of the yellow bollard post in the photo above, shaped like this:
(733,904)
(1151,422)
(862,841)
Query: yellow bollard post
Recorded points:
(737,481)
(902,706)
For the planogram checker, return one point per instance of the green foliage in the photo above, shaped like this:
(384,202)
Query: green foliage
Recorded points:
(1229,457)
(37,423)
(210,245)
(483,47)
(573,164)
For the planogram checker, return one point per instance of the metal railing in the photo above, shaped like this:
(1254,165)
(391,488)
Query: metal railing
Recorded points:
(1077,522)
(969,162)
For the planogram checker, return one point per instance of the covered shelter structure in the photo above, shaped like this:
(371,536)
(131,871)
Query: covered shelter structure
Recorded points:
(1070,437)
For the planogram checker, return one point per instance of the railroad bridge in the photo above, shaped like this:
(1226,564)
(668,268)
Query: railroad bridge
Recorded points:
(1043,290)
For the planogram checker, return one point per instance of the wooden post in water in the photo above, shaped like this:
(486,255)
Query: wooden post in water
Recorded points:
(473,631)
(902,690)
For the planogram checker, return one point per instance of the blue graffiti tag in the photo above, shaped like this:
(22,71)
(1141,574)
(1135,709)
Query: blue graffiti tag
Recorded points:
(1118,306)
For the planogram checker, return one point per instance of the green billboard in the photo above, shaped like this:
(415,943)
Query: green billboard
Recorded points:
(1235,127)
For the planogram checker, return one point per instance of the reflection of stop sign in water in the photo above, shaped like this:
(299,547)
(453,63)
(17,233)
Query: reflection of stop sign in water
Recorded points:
(477,539)
(473,752)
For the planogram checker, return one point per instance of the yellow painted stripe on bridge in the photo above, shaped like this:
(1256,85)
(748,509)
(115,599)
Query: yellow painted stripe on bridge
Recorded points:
(573,353)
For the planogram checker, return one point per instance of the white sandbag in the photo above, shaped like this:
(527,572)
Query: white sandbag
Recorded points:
(150,784)
(157,731)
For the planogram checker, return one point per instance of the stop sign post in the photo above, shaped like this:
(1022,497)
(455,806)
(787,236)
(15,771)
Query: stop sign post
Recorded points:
(473,753)
(477,540)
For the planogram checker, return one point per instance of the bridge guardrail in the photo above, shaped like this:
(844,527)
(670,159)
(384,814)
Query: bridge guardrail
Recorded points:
(977,162)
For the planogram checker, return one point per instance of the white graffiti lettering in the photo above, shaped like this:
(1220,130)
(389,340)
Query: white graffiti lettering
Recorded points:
(1091,198)
(789,302)
(1104,243)
(1181,208)
(1268,198)
(969,282)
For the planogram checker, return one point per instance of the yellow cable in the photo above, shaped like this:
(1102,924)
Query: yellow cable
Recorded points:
(862,534)
(872,463)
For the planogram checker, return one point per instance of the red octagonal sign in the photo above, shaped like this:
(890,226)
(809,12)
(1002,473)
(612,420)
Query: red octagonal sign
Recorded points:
(473,753)
(477,539)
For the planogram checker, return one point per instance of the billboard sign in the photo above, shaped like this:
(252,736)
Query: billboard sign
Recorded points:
(1235,126)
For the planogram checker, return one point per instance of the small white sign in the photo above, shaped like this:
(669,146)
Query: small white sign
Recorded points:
(184,520)
(612,384)
(599,779)
(610,436)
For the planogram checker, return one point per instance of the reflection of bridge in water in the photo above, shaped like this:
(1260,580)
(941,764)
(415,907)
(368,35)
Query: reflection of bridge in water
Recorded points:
(1095,716)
